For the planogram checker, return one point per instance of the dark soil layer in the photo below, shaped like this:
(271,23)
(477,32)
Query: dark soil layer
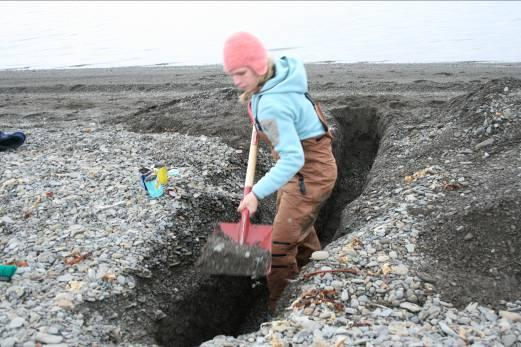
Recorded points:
(475,236)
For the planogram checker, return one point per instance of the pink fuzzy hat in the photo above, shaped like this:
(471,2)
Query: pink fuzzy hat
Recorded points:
(243,49)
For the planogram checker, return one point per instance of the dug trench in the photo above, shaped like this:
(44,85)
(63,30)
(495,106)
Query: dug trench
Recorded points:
(175,304)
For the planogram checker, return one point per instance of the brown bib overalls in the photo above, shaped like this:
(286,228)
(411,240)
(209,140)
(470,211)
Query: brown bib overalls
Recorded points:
(298,204)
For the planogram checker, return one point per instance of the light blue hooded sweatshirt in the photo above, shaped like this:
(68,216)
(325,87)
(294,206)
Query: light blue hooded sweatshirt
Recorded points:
(287,117)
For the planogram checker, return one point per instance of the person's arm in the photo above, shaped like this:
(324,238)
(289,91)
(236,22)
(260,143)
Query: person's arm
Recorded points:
(278,125)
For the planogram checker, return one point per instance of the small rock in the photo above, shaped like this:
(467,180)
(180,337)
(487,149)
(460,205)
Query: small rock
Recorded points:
(398,328)
(16,323)
(350,310)
(399,269)
(308,311)
(504,325)
(345,295)
(511,316)
(325,315)
(410,197)
(468,237)
(16,292)
(409,306)
(485,143)
(398,294)
(47,338)
(53,330)
(412,298)
(338,285)
(121,279)
(320,255)
(489,314)
(509,340)
(370,250)
(6,220)
(9,342)
(472,307)
(64,303)
(65,278)
(425,277)
(382,258)
(447,330)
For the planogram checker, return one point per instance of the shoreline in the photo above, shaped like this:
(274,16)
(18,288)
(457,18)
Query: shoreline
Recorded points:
(324,62)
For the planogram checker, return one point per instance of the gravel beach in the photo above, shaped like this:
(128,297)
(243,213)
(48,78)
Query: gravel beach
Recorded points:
(421,236)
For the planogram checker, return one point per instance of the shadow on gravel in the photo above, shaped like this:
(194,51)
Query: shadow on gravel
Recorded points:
(179,306)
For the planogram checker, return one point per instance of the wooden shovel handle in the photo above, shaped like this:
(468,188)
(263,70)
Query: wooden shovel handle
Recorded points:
(244,226)
(252,160)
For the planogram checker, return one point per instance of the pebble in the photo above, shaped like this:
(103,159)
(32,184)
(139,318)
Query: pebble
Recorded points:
(509,339)
(400,269)
(320,255)
(48,339)
(447,330)
(16,323)
(9,342)
(382,258)
(511,316)
(486,142)
(409,306)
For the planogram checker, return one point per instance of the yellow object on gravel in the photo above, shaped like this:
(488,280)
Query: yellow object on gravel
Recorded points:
(162,176)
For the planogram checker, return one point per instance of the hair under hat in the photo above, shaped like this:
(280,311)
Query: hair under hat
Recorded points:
(242,49)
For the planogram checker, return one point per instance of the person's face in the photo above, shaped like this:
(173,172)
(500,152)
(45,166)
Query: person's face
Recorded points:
(244,78)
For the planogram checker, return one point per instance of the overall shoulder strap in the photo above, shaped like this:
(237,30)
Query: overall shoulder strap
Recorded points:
(255,122)
(319,112)
(253,118)
(308,96)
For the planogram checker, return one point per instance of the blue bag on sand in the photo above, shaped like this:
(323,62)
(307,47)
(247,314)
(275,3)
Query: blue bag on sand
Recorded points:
(11,140)
(148,180)
(154,190)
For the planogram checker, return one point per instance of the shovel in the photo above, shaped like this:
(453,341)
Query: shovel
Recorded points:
(240,249)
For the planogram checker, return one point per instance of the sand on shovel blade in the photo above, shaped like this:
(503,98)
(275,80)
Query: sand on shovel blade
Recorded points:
(224,256)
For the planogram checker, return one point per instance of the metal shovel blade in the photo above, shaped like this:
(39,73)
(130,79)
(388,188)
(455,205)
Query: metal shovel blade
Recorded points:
(256,235)
(223,254)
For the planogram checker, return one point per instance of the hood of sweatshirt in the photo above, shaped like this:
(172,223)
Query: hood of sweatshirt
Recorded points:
(290,77)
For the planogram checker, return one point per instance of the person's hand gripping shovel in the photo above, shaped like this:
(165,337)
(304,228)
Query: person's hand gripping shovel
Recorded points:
(241,249)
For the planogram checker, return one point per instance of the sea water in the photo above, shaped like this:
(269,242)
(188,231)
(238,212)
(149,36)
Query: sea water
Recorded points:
(60,34)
